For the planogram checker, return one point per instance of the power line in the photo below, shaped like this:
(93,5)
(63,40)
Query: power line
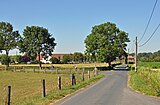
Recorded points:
(150,36)
(148,21)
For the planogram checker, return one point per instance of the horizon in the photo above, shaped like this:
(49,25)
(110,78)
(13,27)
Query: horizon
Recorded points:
(71,21)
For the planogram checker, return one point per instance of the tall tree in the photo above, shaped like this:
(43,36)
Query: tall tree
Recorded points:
(37,41)
(8,38)
(106,42)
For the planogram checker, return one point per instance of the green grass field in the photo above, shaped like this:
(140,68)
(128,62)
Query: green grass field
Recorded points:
(152,65)
(146,80)
(27,87)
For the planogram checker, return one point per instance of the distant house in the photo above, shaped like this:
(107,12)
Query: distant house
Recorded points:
(58,56)
(131,58)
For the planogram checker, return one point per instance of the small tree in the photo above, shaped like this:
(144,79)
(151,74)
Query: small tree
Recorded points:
(37,40)
(5,59)
(9,39)
(54,60)
(67,59)
(78,57)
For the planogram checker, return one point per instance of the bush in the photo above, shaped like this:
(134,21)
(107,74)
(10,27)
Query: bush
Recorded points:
(54,60)
(4,59)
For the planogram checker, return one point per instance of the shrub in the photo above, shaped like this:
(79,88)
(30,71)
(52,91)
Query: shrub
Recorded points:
(5,59)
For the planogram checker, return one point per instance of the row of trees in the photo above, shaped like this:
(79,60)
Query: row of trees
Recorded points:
(149,57)
(105,43)
(76,57)
(34,41)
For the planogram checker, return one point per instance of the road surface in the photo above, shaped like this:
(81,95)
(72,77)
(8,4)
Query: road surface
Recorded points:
(111,90)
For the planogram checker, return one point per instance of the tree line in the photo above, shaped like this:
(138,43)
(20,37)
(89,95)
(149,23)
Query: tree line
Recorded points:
(105,43)
(149,57)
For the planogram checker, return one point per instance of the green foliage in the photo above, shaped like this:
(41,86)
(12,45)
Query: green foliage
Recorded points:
(67,59)
(9,39)
(4,59)
(54,60)
(37,40)
(149,57)
(77,57)
(106,42)
(16,59)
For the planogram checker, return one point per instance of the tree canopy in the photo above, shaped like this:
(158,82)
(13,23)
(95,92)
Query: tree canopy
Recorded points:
(106,42)
(37,40)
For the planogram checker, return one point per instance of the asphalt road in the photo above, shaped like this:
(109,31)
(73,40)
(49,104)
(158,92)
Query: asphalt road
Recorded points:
(112,90)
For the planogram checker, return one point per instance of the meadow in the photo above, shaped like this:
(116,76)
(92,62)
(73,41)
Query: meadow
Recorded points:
(147,78)
(27,86)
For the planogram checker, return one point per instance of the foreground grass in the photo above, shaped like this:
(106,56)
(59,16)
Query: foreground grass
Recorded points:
(146,81)
(26,87)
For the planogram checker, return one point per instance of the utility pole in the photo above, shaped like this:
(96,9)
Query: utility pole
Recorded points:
(136,51)
(128,57)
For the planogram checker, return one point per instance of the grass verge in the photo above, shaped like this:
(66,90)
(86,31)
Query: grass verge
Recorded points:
(145,81)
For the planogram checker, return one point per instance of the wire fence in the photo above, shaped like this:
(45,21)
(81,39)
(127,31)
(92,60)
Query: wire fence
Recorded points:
(26,83)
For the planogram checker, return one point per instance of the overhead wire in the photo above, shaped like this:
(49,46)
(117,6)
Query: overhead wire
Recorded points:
(150,36)
(148,21)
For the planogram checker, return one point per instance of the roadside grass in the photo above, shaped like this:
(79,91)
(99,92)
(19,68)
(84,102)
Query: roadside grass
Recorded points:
(27,89)
(146,80)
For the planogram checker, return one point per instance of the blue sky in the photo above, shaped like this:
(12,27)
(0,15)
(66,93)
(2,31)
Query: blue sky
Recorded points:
(70,21)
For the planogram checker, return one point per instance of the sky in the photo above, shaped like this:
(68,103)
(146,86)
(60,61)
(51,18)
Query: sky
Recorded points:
(70,21)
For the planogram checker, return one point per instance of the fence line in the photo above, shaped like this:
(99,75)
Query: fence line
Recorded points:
(73,81)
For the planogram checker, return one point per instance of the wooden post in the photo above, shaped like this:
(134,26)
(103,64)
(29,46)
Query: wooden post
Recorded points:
(57,70)
(14,69)
(82,76)
(59,83)
(88,74)
(9,95)
(43,88)
(73,79)
(95,71)
(34,69)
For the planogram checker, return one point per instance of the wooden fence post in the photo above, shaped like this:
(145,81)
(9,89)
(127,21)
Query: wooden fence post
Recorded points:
(96,71)
(82,76)
(34,69)
(43,88)
(59,83)
(73,79)
(88,74)
(9,95)
(57,70)
(14,69)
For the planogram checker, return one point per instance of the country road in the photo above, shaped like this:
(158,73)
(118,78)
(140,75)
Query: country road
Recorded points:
(111,90)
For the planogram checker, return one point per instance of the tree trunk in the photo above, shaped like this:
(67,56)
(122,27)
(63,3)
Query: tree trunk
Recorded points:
(126,59)
(7,53)
(40,65)
(109,63)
